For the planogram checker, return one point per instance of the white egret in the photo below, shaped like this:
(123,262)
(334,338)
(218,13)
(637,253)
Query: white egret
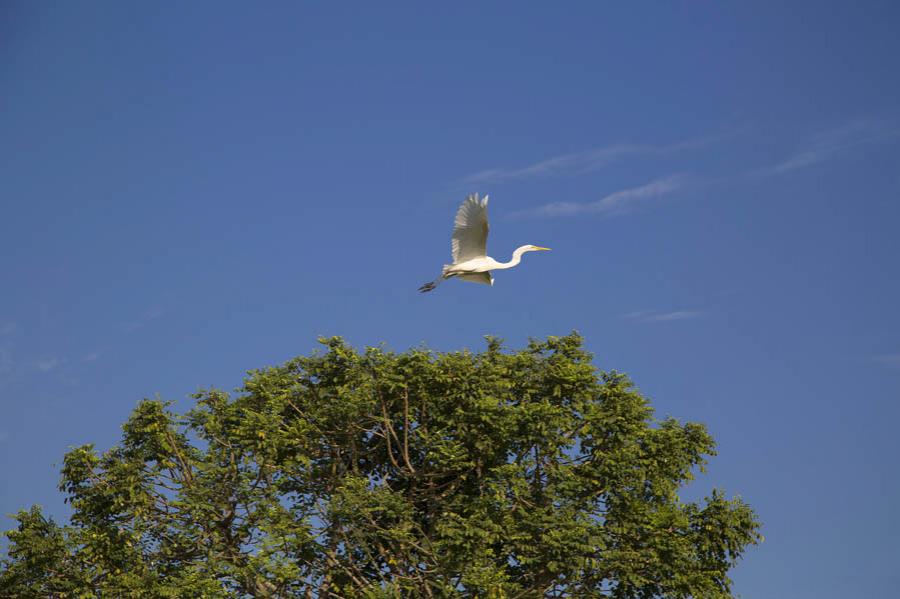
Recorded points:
(468,247)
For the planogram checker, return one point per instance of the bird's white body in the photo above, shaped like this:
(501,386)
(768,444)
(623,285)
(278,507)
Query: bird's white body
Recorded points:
(486,263)
(469,247)
(474,265)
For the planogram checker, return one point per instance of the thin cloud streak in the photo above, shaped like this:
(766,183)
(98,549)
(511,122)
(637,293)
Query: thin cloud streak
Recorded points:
(150,315)
(614,203)
(48,364)
(889,360)
(657,316)
(6,361)
(582,162)
(828,144)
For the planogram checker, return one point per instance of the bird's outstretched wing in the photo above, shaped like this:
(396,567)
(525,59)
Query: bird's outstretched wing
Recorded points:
(470,230)
(484,278)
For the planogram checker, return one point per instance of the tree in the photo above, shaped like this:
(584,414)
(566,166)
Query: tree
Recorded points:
(378,474)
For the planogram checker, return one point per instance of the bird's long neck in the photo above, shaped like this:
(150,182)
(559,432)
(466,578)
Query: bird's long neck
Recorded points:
(516,257)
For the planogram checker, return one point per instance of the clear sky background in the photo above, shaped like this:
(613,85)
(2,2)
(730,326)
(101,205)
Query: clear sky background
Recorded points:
(189,192)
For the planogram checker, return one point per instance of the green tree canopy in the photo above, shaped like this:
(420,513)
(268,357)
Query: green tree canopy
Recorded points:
(380,474)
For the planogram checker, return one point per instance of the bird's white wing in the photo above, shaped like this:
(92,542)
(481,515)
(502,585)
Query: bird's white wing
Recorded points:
(470,230)
(484,278)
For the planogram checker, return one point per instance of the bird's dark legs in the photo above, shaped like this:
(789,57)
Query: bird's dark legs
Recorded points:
(431,285)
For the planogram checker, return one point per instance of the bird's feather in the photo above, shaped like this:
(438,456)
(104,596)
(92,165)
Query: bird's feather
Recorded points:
(470,230)
(485,278)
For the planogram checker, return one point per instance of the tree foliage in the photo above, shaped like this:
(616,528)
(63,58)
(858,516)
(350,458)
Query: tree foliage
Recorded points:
(380,474)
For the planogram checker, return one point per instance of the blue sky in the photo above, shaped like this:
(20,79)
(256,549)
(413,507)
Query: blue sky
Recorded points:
(192,191)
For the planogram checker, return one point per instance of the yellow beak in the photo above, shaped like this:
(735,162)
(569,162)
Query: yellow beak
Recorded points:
(537,247)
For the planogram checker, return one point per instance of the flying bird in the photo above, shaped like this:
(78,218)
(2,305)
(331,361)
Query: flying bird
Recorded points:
(468,246)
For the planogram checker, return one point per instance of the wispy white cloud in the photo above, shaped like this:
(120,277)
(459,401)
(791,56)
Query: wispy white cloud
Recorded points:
(828,144)
(579,161)
(6,360)
(48,364)
(8,328)
(582,162)
(660,316)
(91,357)
(145,318)
(614,203)
(889,360)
